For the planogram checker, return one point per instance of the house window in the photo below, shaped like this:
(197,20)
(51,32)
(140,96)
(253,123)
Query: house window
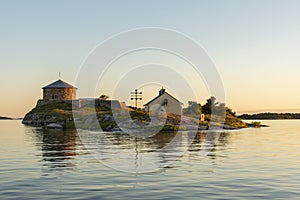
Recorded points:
(165,102)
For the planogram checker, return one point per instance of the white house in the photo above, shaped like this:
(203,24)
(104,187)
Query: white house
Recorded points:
(164,102)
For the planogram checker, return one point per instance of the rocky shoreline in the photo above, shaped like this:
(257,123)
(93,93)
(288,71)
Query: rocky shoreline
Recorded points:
(59,114)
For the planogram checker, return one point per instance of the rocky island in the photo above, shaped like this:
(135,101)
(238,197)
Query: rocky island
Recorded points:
(59,108)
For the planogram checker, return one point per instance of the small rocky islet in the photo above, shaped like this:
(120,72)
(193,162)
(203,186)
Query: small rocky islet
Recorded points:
(59,108)
(64,112)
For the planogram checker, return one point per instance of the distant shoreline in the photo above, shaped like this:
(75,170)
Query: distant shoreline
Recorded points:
(5,118)
(9,118)
(270,116)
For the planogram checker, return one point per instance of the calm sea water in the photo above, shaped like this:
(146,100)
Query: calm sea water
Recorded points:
(248,163)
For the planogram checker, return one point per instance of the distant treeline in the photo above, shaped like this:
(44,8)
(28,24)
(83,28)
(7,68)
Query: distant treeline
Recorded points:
(271,116)
(5,118)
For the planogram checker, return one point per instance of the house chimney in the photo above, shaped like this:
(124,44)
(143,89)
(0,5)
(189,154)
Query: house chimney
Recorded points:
(162,91)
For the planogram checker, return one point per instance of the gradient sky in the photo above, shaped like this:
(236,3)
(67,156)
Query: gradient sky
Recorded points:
(254,44)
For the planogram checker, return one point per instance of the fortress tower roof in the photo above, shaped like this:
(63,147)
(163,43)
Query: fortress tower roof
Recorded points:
(59,84)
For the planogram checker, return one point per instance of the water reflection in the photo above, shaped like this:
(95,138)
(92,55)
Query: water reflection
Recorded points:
(58,148)
(128,153)
(215,150)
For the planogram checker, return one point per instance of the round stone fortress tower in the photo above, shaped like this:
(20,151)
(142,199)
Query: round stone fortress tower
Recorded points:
(59,90)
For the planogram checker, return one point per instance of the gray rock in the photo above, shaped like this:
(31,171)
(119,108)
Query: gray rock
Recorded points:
(54,126)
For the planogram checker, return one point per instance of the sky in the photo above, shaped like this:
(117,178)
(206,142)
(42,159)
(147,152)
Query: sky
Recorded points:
(254,45)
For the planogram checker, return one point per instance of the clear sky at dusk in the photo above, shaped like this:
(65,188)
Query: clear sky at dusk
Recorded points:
(254,44)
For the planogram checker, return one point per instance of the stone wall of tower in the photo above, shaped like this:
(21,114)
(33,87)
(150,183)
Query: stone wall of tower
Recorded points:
(59,93)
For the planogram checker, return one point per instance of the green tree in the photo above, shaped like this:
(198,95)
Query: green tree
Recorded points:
(210,104)
(220,109)
(230,112)
(193,108)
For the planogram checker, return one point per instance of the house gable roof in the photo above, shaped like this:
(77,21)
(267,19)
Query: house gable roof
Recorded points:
(161,95)
(59,84)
